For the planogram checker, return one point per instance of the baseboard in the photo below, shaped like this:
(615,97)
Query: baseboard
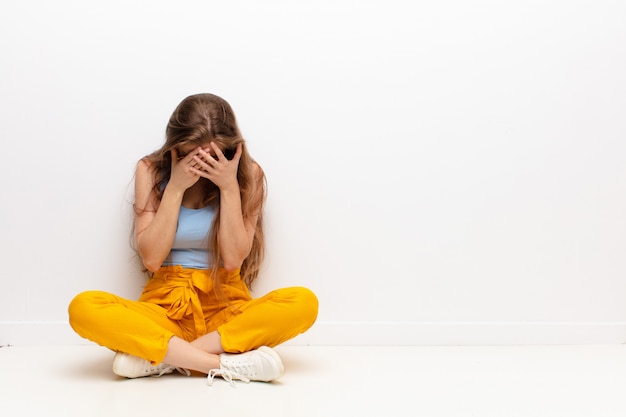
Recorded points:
(330,333)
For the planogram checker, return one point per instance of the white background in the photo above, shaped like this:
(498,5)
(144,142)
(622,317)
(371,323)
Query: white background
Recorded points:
(439,171)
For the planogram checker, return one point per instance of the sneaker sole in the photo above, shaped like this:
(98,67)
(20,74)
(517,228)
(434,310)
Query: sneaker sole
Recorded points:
(270,352)
(124,365)
(118,365)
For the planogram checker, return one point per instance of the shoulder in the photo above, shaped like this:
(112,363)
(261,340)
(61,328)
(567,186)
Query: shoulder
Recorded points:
(143,166)
(144,171)
(144,184)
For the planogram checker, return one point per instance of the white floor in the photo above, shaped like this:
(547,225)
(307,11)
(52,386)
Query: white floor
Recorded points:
(330,381)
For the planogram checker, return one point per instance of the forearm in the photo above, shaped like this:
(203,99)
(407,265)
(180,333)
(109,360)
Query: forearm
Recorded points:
(155,242)
(234,239)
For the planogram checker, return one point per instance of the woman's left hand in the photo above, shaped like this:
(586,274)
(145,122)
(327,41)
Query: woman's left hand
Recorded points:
(218,169)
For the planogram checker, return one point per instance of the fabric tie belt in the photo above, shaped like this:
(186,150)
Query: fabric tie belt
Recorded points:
(176,289)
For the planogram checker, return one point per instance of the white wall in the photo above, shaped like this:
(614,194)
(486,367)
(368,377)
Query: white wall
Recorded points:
(439,172)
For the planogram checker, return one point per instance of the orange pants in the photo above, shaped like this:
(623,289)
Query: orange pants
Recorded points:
(181,302)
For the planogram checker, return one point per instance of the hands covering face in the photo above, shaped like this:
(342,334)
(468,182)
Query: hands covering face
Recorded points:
(207,162)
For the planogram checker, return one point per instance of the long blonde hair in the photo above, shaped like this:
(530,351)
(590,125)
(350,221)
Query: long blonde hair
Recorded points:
(200,119)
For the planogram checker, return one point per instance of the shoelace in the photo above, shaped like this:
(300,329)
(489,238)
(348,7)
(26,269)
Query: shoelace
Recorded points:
(169,369)
(228,376)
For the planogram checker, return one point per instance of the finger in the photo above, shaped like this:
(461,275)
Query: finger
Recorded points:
(199,162)
(218,152)
(192,154)
(197,171)
(238,152)
(207,157)
(200,172)
(188,159)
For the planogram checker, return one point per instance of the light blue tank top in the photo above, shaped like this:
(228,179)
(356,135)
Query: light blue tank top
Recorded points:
(190,249)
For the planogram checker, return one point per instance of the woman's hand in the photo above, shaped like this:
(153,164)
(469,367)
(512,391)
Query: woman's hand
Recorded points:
(219,170)
(183,174)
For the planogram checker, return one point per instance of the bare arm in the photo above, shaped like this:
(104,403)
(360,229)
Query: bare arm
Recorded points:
(236,232)
(155,226)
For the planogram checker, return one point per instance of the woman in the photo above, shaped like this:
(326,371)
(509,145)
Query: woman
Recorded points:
(199,232)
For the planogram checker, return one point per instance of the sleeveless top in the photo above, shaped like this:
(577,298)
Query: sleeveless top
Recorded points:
(190,249)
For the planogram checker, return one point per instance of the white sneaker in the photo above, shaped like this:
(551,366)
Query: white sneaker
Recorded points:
(262,364)
(130,366)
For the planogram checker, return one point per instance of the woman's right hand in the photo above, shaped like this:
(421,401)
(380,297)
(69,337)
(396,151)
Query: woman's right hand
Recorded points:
(182,175)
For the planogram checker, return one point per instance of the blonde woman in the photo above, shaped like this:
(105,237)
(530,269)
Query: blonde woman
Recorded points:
(199,233)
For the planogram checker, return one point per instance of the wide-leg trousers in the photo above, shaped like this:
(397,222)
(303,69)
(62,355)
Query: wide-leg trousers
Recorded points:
(183,302)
